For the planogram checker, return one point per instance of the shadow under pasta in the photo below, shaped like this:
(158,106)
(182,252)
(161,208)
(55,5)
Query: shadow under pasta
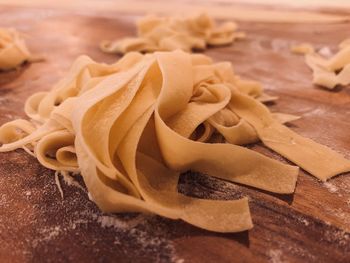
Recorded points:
(8,76)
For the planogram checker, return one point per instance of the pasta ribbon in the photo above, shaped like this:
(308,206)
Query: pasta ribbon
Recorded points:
(171,33)
(302,49)
(331,72)
(132,127)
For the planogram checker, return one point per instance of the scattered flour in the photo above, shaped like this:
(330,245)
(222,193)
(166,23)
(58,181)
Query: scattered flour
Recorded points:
(3,200)
(305,222)
(342,215)
(47,234)
(144,231)
(275,256)
(325,51)
(115,222)
(340,237)
(345,185)
(315,111)
(279,45)
(11,116)
(301,251)
(331,187)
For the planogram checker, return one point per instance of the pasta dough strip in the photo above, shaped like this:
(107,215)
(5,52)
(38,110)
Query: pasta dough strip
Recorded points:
(315,158)
(210,158)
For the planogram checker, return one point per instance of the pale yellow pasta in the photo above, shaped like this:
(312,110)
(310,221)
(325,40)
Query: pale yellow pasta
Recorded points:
(304,48)
(344,43)
(132,127)
(329,72)
(13,50)
(171,33)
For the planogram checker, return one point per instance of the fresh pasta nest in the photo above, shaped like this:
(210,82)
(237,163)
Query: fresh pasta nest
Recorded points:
(132,127)
(171,33)
(13,50)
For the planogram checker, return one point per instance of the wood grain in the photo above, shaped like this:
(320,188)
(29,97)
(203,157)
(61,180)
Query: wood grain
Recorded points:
(313,225)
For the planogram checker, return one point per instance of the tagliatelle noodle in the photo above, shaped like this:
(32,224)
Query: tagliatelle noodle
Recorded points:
(171,33)
(13,50)
(315,158)
(132,127)
(330,72)
(304,48)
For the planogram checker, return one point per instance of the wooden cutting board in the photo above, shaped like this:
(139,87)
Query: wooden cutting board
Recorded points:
(312,225)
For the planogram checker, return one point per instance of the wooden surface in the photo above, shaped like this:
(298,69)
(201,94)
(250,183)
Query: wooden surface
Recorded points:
(245,10)
(312,225)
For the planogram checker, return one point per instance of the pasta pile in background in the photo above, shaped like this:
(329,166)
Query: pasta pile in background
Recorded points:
(328,72)
(171,33)
(132,127)
(13,50)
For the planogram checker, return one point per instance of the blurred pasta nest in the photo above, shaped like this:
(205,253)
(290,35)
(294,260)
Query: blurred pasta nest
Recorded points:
(170,33)
(13,50)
